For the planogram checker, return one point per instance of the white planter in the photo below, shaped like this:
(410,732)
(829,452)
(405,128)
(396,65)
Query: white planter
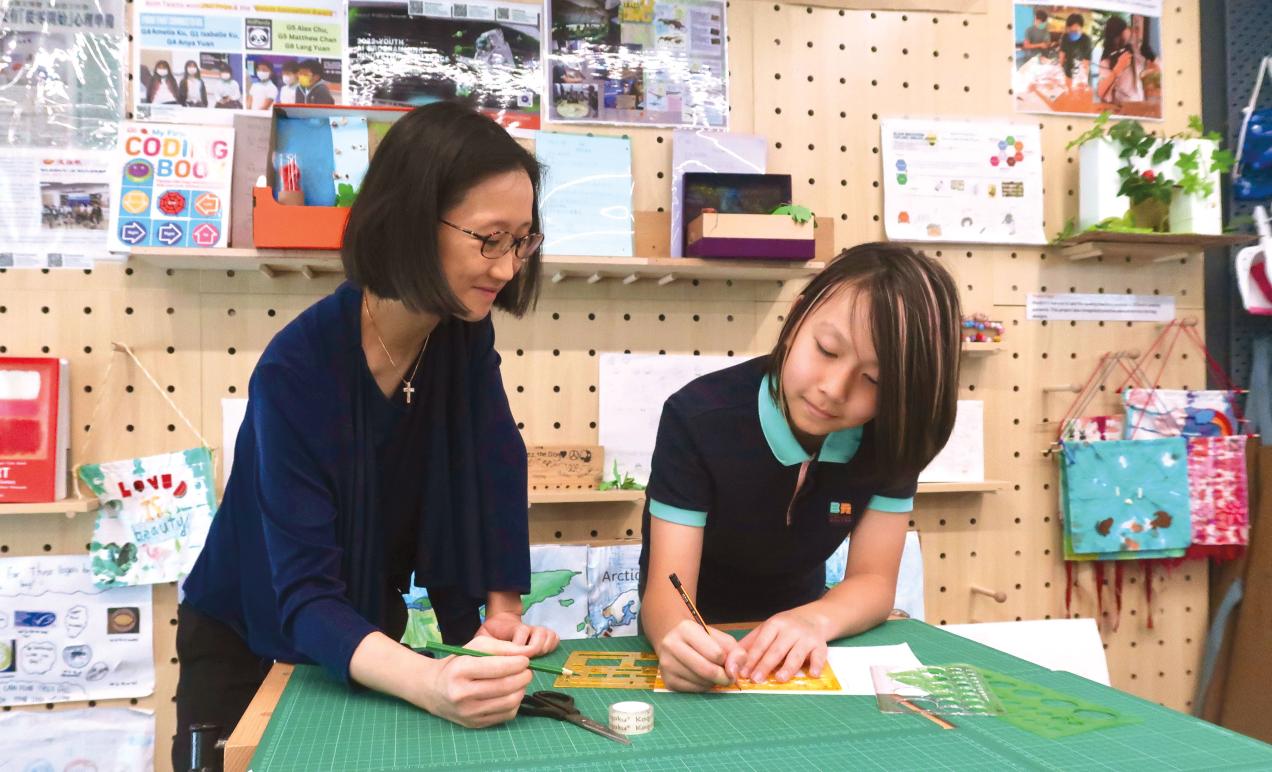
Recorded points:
(1191,213)
(1098,180)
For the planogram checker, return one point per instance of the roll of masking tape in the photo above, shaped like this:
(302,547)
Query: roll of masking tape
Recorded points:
(631,717)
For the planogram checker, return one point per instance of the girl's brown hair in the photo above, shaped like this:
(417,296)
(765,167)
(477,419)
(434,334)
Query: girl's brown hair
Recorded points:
(915,322)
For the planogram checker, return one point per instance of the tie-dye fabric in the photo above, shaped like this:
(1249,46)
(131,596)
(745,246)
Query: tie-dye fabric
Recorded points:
(1154,413)
(1092,429)
(1218,491)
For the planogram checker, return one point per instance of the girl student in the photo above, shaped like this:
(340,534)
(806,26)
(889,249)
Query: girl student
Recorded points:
(162,89)
(762,469)
(378,445)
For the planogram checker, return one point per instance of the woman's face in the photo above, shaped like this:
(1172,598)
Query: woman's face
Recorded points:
(504,202)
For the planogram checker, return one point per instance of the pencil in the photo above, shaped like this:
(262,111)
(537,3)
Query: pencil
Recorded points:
(675,582)
(929,715)
(442,648)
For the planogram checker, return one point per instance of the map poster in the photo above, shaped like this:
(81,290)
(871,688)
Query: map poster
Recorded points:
(558,589)
(613,597)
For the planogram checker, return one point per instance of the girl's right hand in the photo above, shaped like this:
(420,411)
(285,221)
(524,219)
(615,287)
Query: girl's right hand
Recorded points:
(477,692)
(693,661)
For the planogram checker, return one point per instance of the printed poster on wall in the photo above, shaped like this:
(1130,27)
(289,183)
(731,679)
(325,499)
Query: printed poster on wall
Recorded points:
(645,62)
(487,54)
(61,73)
(62,638)
(234,55)
(962,181)
(171,187)
(54,208)
(613,595)
(1102,55)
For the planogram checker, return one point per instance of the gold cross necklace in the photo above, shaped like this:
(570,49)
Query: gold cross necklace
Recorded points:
(407,388)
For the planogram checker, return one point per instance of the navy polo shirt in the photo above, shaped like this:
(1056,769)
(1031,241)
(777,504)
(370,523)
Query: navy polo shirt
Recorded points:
(727,461)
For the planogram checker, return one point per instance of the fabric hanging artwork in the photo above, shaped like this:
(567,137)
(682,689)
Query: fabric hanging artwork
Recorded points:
(1126,497)
(1218,495)
(1176,412)
(154,517)
(1092,429)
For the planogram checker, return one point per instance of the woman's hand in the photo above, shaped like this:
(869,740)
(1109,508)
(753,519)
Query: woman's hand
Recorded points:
(476,692)
(692,660)
(781,646)
(507,626)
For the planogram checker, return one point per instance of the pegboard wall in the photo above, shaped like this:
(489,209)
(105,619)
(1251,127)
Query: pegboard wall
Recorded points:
(815,82)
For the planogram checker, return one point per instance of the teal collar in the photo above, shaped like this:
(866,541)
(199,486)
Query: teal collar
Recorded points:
(838,448)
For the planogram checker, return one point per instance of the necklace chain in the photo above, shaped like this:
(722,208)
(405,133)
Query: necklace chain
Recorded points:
(407,388)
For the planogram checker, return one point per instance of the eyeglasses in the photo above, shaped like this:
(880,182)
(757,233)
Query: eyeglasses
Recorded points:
(496,245)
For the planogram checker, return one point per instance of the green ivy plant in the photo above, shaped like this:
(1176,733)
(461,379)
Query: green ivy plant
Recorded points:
(620,482)
(800,214)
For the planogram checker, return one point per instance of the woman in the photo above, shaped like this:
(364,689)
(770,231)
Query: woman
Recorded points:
(1119,68)
(194,92)
(377,444)
(162,89)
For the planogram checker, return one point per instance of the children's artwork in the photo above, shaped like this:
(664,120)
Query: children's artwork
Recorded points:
(558,589)
(613,598)
(586,199)
(963,457)
(350,156)
(909,595)
(54,208)
(421,619)
(975,182)
(1102,55)
(485,53)
(62,638)
(154,517)
(1218,491)
(647,62)
(61,73)
(699,150)
(86,740)
(1092,429)
(200,55)
(633,389)
(1127,495)
(171,187)
(1178,413)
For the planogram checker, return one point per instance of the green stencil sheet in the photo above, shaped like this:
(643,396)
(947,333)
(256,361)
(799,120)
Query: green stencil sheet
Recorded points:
(321,725)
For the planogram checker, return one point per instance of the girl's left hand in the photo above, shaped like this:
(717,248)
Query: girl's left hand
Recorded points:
(781,646)
(507,626)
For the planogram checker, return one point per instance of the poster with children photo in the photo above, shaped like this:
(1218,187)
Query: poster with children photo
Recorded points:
(172,79)
(1088,59)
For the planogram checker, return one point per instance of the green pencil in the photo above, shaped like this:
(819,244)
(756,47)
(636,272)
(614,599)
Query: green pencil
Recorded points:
(442,648)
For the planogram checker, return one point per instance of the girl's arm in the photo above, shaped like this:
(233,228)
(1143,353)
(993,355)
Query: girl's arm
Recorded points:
(1106,83)
(503,621)
(786,641)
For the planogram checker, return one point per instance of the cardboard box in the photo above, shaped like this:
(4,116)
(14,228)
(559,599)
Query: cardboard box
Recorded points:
(761,236)
(564,466)
(305,227)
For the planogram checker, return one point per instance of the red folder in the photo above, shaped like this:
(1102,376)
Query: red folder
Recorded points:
(35,429)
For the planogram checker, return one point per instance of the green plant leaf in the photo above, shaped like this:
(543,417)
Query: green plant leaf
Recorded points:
(1194,123)
(1163,152)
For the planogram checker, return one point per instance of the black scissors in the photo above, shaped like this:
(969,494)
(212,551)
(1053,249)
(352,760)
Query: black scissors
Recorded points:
(561,707)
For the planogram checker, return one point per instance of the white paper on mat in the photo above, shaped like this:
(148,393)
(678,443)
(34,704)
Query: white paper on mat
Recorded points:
(232,413)
(117,739)
(633,390)
(697,150)
(963,457)
(1072,645)
(851,665)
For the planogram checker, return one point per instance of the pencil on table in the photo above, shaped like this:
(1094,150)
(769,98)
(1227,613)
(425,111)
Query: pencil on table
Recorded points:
(442,648)
(929,715)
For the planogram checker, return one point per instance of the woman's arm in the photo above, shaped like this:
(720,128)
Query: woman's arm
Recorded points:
(503,621)
(1108,76)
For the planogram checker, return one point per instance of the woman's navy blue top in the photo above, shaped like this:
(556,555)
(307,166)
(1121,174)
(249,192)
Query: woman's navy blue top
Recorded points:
(333,484)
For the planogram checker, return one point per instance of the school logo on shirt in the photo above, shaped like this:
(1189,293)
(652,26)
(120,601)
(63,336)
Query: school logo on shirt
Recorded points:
(840,513)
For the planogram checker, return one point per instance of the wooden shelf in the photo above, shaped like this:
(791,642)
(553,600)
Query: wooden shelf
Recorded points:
(982,349)
(985,486)
(1157,247)
(558,268)
(585,496)
(68,507)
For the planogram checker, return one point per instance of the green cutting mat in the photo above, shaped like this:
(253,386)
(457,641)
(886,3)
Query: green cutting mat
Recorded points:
(321,725)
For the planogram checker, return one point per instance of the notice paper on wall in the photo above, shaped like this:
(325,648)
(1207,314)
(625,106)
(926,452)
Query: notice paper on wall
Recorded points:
(587,194)
(54,208)
(1103,308)
(62,638)
(115,739)
(963,457)
(964,181)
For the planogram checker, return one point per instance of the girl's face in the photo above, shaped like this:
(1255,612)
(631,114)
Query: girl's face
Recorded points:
(504,202)
(192,72)
(831,374)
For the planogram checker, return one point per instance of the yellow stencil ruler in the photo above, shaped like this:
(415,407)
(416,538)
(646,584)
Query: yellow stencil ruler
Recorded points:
(609,670)
(801,682)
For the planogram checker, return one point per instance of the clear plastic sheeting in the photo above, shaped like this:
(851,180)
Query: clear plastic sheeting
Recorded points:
(61,73)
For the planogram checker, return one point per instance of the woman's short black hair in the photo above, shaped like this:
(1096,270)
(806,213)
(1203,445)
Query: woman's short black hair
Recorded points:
(425,165)
(916,327)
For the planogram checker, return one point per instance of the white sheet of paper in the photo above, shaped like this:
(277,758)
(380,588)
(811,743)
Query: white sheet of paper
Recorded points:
(232,414)
(633,390)
(1099,308)
(64,639)
(963,457)
(118,739)
(1071,645)
(54,207)
(851,665)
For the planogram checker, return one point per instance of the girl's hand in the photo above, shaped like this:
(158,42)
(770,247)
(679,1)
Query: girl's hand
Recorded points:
(782,645)
(693,661)
(507,626)
(477,692)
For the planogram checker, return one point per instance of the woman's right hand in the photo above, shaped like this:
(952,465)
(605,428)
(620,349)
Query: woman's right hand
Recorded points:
(477,692)
(693,661)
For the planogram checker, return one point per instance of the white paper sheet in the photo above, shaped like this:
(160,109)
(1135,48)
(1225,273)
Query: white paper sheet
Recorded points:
(851,665)
(587,194)
(963,457)
(63,639)
(115,739)
(54,208)
(1092,307)
(633,390)
(232,414)
(697,150)
(1072,645)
